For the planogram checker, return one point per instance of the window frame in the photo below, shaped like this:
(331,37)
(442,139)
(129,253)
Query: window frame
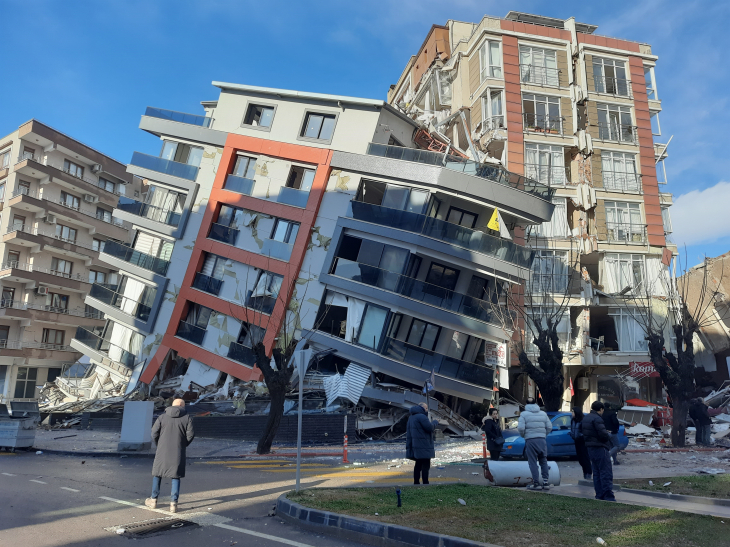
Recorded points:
(287,235)
(26,381)
(5,154)
(487,113)
(303,126)
(483,54)
(249,104)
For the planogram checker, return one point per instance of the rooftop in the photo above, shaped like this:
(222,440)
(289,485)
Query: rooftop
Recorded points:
(548,21)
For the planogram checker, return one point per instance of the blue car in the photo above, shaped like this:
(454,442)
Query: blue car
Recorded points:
(559,442)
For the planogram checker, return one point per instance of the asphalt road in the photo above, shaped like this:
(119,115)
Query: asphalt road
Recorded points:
(70,501)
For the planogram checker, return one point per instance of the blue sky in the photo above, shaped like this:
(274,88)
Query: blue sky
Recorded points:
(89,68)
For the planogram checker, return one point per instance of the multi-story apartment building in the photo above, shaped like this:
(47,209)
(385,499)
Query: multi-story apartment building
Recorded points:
(56,201)
(382,251)
(578,112)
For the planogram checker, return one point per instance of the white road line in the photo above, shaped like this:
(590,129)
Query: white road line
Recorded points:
(39,482)
(9,474)
(265,536)
(69,489)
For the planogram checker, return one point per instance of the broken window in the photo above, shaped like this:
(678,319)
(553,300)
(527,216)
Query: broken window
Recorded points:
(650,85)
(318,126)
(259,116)
(490,60)
(538,66)
(622,271)
(264,294)
(666,220)
(549,272)
(546,164)
(493,109)
(615,123)
(300,178)
(623,222)
(619,171)
(609,76)
(557,226)
(245,167)
(656,128)
(629,330)
(541,113)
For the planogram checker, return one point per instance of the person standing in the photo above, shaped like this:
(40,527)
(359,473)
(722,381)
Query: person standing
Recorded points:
(534,426)
(419,442)
(610,420)
(172,433)
(703,423)
(493,432)
(598,443)
(576,432)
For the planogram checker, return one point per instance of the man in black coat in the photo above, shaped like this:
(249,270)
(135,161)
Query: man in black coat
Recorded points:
(610,420)
(495,440)
(173,433)
(419,442)
(701,418)
(598,443)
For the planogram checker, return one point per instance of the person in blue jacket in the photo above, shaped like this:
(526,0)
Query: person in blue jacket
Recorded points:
(419,442)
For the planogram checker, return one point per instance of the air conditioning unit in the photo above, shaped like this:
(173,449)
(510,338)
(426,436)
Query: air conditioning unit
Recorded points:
(42,291)
(49,219)
(96,168)
(90,198)
(583,383)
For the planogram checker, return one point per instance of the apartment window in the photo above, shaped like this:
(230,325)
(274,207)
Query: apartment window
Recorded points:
(66,233)
(13,259)
(18,222)
(371,326)
(461,217)
(24,187)
(285,231)
(28,152)
(245,167)
(198,316)
(546,164)
(300,178)
(623,270)
(73,169)
(541,113)
(4,159)
(57,302)
(318,126)
(8,297)
(103,214)
(2,192)
(490,60)
(213,266)
(61,267)
(393,196)
(264,294)
(609,76)
(182,153)
(423,334)
(259,116)
(92,312)
(550,272)
(231,217)
(53,373)
(539,66)
(619,171)
(97,245)
(629,331)
(649,79)
(541,315)
(623,221)
(667,220)
(493,109)
(53,336)
(557,226)
(442,276)
(615,123)
(107,185)
(4,332)
(97,277)
(69,200)
(25,383)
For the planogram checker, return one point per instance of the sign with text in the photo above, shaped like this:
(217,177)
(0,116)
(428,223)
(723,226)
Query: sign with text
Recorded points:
(639,369)
(495,354)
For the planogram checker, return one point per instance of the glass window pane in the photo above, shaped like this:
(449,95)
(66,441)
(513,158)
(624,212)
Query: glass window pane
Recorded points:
(314,123)
(280,230)
(307,180)
(267,115)
(430,336)
(293,233)
(168,150)
(327,128)
(372,326)
(395,197)
(393,259)
(417,201)
(416,333)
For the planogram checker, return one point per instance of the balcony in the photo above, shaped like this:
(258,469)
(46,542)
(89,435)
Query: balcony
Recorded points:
(190,332)
(293,197)
(152,212)
(118,356)
(626,233)
(15,309)
(492,172)
(46,236)
(224,234)
(137,258)
(22,266)
(30,344)
(207,284)
(168,167)
(240,185)
(542,123)
(242,354)
(106,294)
(277,249)
(615,181)
(180,117)
(539,75)
(453,234)
(617,132)
(620,87)
(549,175)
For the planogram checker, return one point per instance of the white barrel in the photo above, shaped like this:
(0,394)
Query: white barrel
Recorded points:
(518,473)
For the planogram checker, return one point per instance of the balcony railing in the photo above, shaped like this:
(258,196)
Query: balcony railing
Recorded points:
(30,344)
(44,160)
(550,175)
(239,185)
(143,260)
(492,123)
(543,123)
(181,117)
(45,233)
(626,233)
(539,75)
(207,284)
(39,195)
(242,354)
(224,234)
(152,212)
(112,351)
(488,171)
(162,165)
(76,312)
(621,182)
(33,268)
(293,196)
(105,293)
(612,86)
(417,290)
(617,132)
(453,234)
(191,333)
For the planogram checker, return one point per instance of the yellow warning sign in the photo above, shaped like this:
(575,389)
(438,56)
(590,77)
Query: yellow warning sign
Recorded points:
(493,223)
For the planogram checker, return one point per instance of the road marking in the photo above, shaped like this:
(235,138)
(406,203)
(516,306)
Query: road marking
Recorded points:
(39,482)
(9,474)
(264,536)
(70,489)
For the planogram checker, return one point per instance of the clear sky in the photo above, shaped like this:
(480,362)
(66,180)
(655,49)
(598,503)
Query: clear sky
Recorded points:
(90,67)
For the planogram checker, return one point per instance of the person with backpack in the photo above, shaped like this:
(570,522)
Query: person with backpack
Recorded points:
(576,432)
(493,432)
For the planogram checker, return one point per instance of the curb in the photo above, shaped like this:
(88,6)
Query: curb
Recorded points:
(364,531)
(666,495)
(584,482)
(132,454)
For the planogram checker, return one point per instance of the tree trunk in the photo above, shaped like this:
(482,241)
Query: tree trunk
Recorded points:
(277,393)
(680,406)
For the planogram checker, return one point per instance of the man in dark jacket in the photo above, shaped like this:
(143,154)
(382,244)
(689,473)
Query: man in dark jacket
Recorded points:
(495,440)
(610,420)
(419,442)
(701,418)
(598,443)
(173,433)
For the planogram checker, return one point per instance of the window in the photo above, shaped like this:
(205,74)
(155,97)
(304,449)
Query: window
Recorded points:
(614,123)
(318,126)
(259,116)
(25,383)
(28,152)
(66,233)
(53,336)
(61,267)
(461,217)
(619,172)
(490,60)
(13,259)
(8,297)
(245,167)
(73,169)
(300,178)
(609,76)
(667,220)
(371,326)
(182,153)
(24,187)
(264,294)
(623,222)
(629,331)
(97,277)
(285,231)
(3,377)
(546,164)
(542,314)
(97,245)
(649,79)
(623,270)
(198,316)
(442,276)
(213,266)
(493,109)
(424,335)
(550,272)
(231,217)
(53,373)
(542,113)
(57,302)
(18,222)
(557,226)
(4,159)
(539,66)
(107,185)
(393,196)
(92,312)
(69,200)
(2,191)
(103,214)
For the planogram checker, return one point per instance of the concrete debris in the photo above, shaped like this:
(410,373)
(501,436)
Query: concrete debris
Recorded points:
(640,429)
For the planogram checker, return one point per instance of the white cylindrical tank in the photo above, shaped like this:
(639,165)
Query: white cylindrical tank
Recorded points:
(518,473)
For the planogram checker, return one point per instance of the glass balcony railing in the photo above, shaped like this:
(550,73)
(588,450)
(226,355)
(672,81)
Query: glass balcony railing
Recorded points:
(207,284)
(277,249)
(293,196)
(417,290)
(242,354)
(182,117)
(168,167)
(97,343)
(224,234)
(190,332)
(473,240)
(143,260)
(239,185)
(152,212)
(495,173)
(106,293)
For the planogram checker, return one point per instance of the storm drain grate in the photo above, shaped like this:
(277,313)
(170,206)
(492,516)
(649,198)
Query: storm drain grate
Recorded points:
(156,526)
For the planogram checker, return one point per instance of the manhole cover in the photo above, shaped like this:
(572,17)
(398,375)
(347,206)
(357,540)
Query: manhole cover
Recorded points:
(156,526)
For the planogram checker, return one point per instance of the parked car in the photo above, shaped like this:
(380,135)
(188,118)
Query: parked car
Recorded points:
(559,442)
